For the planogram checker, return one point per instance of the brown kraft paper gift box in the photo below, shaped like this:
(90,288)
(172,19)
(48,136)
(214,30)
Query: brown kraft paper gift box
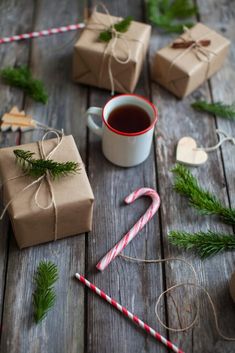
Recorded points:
(91,56)
(182,70)
(73,196)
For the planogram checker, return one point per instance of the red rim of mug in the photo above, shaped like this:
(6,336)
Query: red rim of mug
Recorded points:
(155,111)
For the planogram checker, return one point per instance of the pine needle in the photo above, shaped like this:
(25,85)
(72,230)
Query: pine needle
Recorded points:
(121,27)
(22,78)
(218,108)
(39,167)
(44,295)
(205,202)
(163,14)
(204,243)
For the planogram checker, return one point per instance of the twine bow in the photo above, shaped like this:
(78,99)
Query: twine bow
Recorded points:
(43,178)
(111,45)
(198,45)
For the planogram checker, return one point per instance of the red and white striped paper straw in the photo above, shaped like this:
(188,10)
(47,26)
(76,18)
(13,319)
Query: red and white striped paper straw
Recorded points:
(43,33)
(128,314)
(105,261)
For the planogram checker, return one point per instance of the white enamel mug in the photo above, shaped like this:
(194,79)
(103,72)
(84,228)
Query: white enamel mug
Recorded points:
(121,148)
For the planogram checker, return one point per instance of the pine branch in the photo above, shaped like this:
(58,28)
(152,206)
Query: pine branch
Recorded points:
(163,14)
(44,295)
(120,27)
(204,243)
(38,167)
(22,78)
(218,108)
(205,202)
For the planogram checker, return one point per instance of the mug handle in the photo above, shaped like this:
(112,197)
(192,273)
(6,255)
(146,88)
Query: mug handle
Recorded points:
(90,122)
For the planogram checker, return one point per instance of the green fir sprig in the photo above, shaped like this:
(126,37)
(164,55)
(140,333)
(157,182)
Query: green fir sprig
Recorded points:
(205,202)
(226,111)
(44,295)
(120,27)
(205,244)
(38,167)
(22,78)
(164,13)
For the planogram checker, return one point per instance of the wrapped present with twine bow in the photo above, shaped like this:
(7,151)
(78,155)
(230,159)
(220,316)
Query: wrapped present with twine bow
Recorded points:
(115,63)
(42,205)
(190,60)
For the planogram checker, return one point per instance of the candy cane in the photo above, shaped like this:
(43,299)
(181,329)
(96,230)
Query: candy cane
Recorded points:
(128,314)
(105,261)
(43,33)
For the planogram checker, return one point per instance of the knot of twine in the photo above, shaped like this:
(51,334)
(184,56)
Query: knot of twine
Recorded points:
(111,47)
(195,45)
(39,181)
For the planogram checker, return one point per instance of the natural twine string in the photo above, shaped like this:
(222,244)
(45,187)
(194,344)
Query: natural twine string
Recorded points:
(194,284)
(39,181)
(221,141)
(202,53)
(111,48)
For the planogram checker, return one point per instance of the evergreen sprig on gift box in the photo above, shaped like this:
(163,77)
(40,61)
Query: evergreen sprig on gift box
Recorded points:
(163,14)
(205,202)
(22,78)
(44,295)
(38,167)
(120,27)
(204,243)
(218,108)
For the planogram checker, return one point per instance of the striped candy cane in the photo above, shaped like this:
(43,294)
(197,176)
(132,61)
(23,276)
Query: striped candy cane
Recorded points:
(128,314)
(105,261)
(43,33)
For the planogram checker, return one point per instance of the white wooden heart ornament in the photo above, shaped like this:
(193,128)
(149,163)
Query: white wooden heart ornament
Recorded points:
(187,152)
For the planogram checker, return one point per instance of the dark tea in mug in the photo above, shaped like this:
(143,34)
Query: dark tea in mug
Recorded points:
(129,119)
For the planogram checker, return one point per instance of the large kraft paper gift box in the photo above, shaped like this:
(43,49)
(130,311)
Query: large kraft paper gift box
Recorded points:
(92,57)
(182,70)
(74,199)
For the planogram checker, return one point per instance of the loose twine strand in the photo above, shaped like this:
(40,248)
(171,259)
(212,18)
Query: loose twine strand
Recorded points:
(221,141)
(194,284)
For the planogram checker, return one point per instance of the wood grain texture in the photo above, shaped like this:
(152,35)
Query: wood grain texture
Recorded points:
(221,18)
(10,55)
(80,322)
(178,215)
(133,285)
(63,330)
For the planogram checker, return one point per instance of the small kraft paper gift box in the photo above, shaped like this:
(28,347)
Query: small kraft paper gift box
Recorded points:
(45,209)
(194,57)
(114,64)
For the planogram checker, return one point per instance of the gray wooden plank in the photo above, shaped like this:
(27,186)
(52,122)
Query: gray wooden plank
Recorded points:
(134,285)
(10,55)
(178,120)
(221,18)
(63,330)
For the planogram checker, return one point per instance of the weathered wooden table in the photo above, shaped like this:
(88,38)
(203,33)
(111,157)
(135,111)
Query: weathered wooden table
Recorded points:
(81,322)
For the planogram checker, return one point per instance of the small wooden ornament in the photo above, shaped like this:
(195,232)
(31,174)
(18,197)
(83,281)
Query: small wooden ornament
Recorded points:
(188,153)
(232,286)
(17,120)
